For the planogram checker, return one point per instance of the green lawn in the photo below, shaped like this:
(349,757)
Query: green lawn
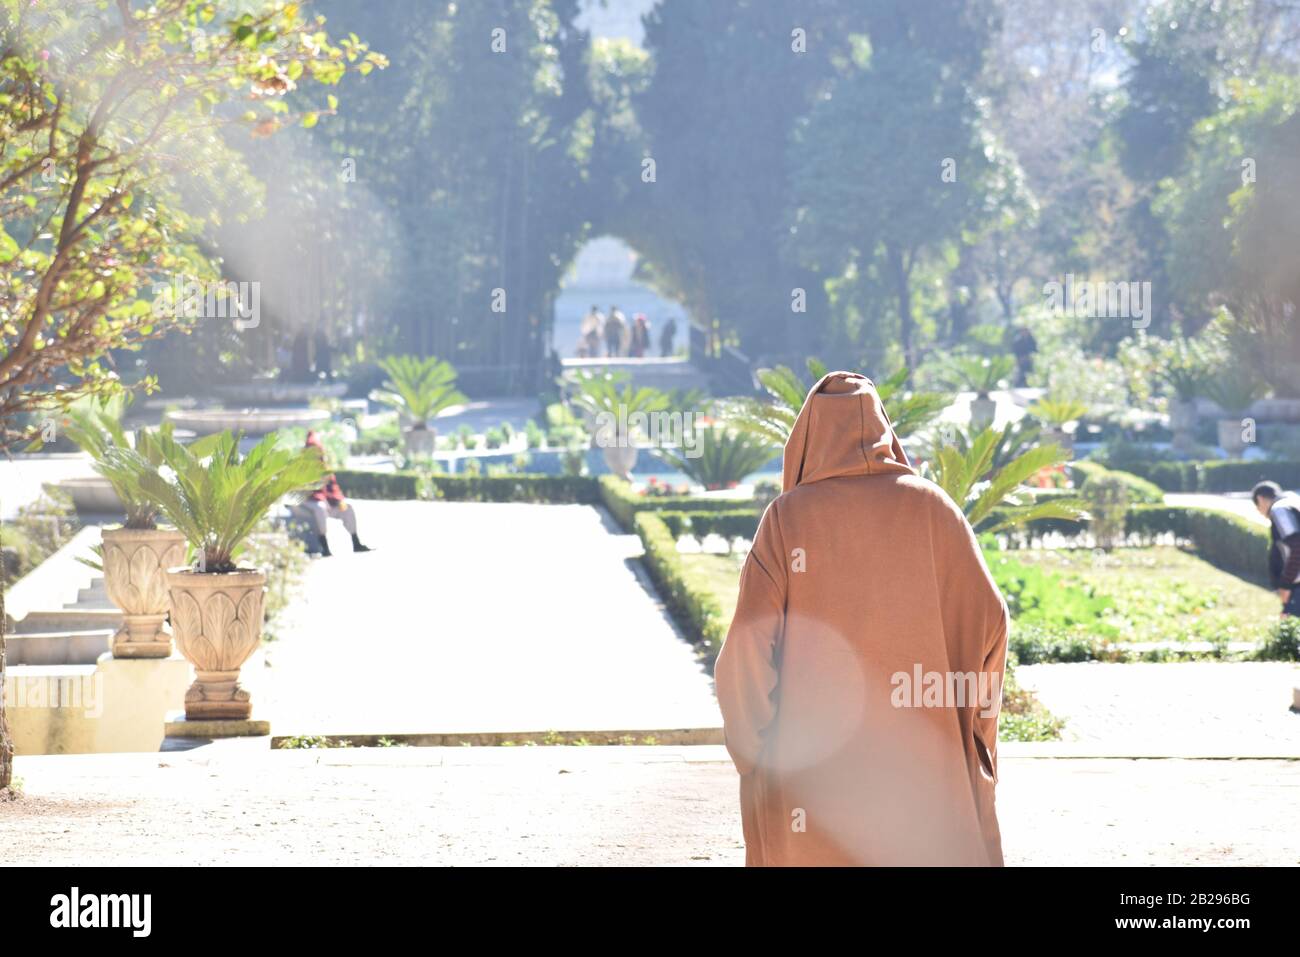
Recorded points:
(720,574)
(1023,718)
(1155,594)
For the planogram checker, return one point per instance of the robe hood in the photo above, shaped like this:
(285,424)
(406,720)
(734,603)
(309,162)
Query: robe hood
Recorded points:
(842,429)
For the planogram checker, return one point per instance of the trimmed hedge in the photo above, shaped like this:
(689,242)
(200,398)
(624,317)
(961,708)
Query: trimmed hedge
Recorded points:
(694,608)
(1242,476)
(469,488)
(558,489)
(624,504)
(357,483)
(1140,490)
(1217,475)
(729,523)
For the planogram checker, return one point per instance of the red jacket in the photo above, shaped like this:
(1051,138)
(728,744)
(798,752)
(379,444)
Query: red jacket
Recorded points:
(330,492)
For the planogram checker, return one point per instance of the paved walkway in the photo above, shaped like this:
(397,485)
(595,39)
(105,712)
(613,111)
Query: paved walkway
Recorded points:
(480,617)
(587,806)
(1237,503)
(1172,707)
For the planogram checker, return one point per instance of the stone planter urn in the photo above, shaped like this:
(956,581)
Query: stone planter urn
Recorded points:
(1230,437)
(1062,438)
(217,620)
(1182,422)
(419,440)
(135,576)
(620,459)
(982,412)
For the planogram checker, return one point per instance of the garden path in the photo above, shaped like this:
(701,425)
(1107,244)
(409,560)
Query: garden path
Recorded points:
(588,806)
(480,617)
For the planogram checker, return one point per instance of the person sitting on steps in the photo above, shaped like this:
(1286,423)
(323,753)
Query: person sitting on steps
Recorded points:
(329,502)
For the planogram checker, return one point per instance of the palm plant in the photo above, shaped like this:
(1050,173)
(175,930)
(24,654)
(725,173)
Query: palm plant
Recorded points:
(1183,366)
(1057,413)
(1233,389)
(419,388)
(980,374)
(95,426)
(614,411)
(597,394)
(996,496)
(771,419)
(725,457)
(214,495)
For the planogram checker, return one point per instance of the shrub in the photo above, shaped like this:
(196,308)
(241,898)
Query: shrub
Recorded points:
(1107,499)
(39,529)
(284,560)
(1023,716)
(1035,644)
(1283,644)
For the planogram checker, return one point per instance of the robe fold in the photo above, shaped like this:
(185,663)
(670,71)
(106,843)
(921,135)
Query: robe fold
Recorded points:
(860,680)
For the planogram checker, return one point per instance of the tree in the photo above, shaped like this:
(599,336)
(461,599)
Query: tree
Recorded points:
(476,149)
(895,160)
(731,81)
(109,117)
(1232,220)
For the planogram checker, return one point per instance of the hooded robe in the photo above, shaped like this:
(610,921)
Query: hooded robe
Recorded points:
(860,680)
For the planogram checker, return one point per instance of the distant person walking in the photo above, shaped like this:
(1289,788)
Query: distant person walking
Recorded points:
(666,338)
(615,332)
(1023,346)
(589,336)
(1282,509)
(329,502)
(640,344)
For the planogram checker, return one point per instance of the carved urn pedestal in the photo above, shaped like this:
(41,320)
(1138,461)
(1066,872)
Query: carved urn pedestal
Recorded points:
(135,576)
(217,620)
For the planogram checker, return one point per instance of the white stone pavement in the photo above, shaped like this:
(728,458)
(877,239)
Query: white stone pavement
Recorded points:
(587,806)
(480,617)
(1173,707)
(1237,503)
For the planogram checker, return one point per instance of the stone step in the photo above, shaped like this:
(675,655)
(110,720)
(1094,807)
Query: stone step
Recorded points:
(68,619)
(95,592)
(58,647)
(91,603)
(55,582)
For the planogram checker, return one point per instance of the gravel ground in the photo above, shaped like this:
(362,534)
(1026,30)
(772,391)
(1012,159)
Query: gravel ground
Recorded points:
(587,806)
